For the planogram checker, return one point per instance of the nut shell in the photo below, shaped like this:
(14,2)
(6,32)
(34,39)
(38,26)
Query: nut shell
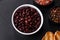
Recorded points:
(49,36)
(57,35)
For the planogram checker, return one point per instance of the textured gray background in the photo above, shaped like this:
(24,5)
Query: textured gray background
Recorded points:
(7,32)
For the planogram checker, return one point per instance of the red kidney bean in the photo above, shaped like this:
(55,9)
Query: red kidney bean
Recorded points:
(27,19)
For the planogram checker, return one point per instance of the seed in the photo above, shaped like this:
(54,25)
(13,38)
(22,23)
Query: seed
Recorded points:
(27,19)
(55,14)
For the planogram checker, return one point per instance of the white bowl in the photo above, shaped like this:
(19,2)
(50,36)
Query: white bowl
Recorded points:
(29,5)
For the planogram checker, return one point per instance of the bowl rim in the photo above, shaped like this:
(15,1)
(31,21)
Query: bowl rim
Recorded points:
(27,5)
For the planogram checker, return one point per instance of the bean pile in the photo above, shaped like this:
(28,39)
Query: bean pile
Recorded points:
(55,14)
(27,19)
(43,2)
